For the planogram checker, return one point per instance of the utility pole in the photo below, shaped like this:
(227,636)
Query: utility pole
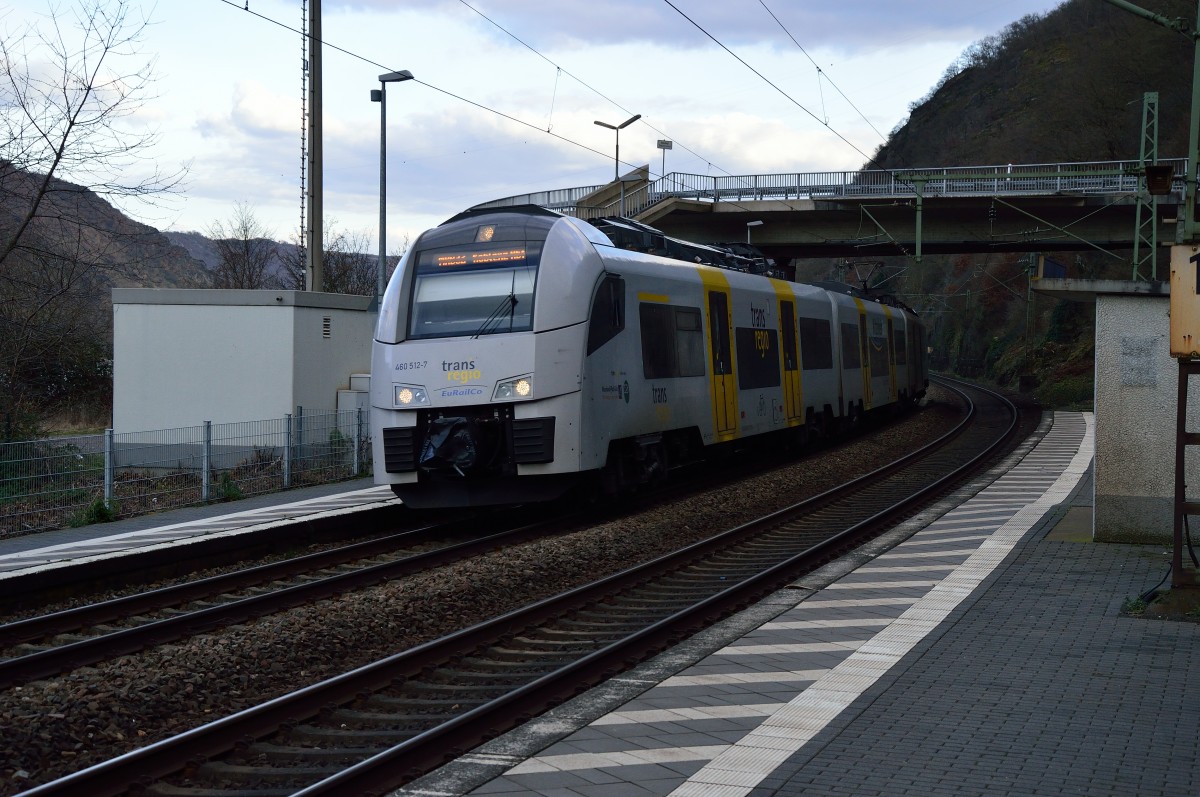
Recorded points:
(1187,229)
(314,267)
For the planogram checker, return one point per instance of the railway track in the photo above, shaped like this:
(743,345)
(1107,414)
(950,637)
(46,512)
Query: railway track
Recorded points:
(386,723)
(40,647)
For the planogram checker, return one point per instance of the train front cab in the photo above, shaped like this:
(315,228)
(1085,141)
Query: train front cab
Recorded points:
(470,410)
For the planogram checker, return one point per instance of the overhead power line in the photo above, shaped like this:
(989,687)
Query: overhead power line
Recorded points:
(588,86)
(767,80)
(820,72)
(245,7)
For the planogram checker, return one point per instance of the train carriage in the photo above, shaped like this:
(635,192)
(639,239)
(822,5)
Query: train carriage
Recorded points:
(520,351)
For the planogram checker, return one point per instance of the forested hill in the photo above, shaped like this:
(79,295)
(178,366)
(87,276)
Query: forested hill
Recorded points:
(76,225)
(1063,86)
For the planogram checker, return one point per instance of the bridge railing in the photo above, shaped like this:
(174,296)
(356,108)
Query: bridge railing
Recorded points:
(561,199)
(1095,177)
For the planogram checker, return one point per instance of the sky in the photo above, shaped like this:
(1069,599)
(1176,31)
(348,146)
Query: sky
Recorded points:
(506,94)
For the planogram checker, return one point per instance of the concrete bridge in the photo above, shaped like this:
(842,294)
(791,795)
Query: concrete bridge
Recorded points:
(1010,208)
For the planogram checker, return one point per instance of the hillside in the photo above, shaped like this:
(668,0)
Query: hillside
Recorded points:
(76,223)
(1066,86)
(62,249)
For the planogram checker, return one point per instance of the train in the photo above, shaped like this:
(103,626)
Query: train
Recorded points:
(521,355)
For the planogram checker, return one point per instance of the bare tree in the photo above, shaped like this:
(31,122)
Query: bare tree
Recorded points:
(65,88)
(246,251)
(350,264)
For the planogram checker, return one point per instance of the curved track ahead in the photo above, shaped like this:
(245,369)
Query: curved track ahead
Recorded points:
(381,725)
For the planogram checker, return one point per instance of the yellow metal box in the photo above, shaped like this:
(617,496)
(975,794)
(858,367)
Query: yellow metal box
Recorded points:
(1185,301)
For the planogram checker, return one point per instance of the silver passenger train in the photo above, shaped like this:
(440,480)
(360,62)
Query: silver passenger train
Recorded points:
(520,352)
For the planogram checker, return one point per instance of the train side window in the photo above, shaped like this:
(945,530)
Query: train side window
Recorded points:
(658,358)
(877,356)
(901,347)
(672,341)
(608,313)
(851,352)
(689,341)
(816,344)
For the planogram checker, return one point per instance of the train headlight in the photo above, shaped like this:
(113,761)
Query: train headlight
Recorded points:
(519,387)
(409,396)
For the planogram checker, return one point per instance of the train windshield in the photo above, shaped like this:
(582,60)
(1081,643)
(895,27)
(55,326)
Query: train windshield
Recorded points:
(474,290)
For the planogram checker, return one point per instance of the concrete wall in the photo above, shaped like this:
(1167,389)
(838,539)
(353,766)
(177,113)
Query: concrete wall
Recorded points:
(1136,384)
(181,357)
(323,365)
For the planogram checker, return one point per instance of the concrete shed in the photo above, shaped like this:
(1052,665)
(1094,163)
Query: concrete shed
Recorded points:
(1135,400)
(182,357)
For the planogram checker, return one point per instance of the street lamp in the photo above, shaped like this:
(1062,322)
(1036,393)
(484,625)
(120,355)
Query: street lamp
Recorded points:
(750,224)
(617,156)
(380,96)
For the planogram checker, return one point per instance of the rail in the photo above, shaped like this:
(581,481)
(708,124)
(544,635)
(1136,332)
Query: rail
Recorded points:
(1101,178)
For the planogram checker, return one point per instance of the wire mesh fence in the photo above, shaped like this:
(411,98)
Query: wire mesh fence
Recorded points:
(73,481)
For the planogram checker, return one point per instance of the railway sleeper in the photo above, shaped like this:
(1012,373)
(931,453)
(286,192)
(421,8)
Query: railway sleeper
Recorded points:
(493,677)
(162,789)
(567,629)
(687,593)
(540,645)
(450,683)
(267,751)
(509,668)
(562,652)
(368,739)
(413,709)
(667,598)
(364,719)
(600,625)
(601,632)
(627,616)
(223,772)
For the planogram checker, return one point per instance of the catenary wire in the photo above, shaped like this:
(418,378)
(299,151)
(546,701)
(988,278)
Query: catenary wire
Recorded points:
(245,7)
(821,72)
(588,86)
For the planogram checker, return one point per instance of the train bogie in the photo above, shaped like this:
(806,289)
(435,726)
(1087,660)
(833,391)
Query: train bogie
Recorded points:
(522,351)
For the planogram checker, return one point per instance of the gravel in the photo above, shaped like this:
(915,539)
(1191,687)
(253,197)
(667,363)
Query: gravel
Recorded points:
(57,726)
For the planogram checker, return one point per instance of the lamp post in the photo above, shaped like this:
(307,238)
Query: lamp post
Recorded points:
(617,156)
(380,96)
(750,224)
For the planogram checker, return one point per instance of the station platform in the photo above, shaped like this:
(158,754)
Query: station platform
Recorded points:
(39,556)
(985,653)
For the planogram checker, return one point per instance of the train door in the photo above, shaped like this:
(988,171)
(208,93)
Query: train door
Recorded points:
(864,344)
(891,353)
(723,387)
(793,396)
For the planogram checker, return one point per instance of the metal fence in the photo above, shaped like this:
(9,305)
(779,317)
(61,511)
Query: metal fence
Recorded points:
(73,481)
(1093,177)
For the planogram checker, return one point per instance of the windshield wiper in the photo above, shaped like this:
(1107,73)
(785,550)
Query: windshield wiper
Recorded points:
(508,303)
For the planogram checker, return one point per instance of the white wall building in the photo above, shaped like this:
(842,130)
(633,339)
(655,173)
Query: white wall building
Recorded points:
(182,357)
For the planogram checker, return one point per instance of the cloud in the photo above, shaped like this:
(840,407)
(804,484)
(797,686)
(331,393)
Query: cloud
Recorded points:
(863,24)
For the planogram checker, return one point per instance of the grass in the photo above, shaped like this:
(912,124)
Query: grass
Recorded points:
(1181,604)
